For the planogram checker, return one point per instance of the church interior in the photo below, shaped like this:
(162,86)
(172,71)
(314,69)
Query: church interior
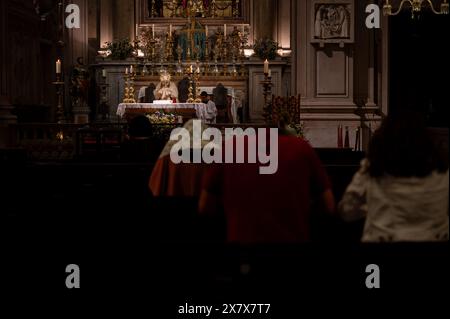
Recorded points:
(91,90)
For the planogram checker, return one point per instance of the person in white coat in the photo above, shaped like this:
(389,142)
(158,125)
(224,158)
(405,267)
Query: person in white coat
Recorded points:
(402,187)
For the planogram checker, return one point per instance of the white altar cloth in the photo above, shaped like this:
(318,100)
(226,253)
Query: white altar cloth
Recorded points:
(200,108)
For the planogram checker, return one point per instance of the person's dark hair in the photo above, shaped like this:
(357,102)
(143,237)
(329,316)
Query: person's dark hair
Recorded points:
(140,126)
(204,94)
(403,147)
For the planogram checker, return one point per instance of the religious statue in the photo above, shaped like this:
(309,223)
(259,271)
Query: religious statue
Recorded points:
(166,89)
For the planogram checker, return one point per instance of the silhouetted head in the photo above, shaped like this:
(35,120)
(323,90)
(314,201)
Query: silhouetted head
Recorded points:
(403,147)
(204,97)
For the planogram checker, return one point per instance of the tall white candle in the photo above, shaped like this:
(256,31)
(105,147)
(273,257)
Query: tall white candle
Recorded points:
(270,73)
(170,29)
(104,73)
(58,66)
(266,67)
(206,31)
(126,70)
(153,30)
(225,30)
(131,69)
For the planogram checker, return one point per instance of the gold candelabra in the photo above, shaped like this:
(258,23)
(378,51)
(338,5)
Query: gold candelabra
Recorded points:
(129,89)
(197,86)
(243,71)
(236,9)
(213,9)
(416,7)
(191,87)
(206,56)
(170,43)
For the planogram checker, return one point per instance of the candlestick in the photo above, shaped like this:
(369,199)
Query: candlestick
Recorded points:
(347,138)
(266,67)
(267,93)
(340,142)
(58,66)
(59,84)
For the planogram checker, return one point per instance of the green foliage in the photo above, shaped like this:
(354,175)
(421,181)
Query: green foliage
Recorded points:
(266,48)
(120,49)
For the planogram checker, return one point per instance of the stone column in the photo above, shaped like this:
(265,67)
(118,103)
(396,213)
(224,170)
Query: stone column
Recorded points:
(123,21)
(106,22)
(3,49)
(265,14)
(6,116)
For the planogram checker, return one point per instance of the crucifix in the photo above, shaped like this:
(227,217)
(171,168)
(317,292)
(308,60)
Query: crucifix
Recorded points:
(192,31)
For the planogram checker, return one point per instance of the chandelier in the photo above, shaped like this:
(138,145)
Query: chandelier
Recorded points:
(416,7)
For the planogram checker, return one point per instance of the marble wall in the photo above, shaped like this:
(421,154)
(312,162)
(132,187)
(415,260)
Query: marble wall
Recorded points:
(338,82)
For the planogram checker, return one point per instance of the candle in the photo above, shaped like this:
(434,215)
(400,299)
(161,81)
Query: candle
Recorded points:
(170,30)
(131,69)
(266,67)
(270,73)
(206,31)
(104,73)
(58,66)
(126,70)
(191,69)
(153,30)
(225,30)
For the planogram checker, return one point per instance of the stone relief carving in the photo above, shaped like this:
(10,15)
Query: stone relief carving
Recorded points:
(332,21)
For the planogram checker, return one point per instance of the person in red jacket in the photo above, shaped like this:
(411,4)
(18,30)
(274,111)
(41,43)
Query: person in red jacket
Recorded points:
(268,208)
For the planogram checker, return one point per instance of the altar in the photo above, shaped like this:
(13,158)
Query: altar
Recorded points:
(186,110)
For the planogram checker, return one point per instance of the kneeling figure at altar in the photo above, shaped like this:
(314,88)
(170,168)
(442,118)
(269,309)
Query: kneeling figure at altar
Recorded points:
(166,89)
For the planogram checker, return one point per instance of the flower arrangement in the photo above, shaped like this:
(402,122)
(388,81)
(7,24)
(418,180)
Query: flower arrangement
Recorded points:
(160,117)
(120,49)
(266,48)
